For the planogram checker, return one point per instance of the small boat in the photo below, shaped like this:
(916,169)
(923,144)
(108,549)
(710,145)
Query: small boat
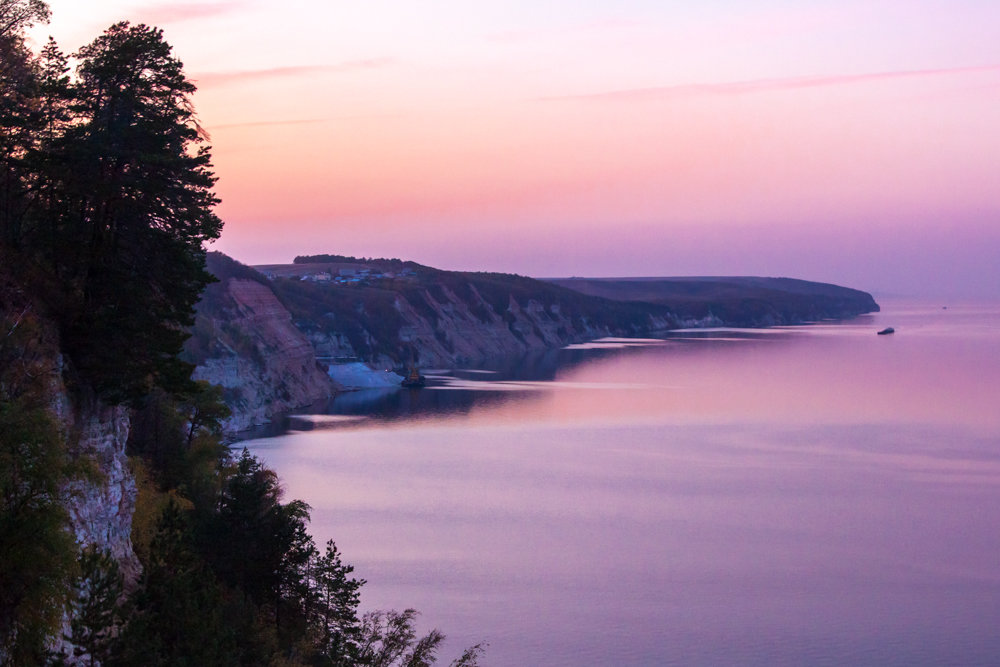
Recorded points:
(886,331)
(414,379)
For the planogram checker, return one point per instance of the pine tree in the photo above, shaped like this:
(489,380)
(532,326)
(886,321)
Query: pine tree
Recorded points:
(18,130)
(179,615)
(96,609)
(135,184)
(337,596)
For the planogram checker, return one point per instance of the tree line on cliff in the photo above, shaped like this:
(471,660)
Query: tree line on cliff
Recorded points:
(106,203)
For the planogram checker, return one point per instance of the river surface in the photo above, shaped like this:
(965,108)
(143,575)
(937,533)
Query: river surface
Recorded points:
(803,495)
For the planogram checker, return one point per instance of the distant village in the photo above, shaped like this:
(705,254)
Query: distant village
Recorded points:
(334,274)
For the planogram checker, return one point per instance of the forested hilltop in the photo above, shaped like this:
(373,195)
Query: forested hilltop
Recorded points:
(746,301)
(128,533)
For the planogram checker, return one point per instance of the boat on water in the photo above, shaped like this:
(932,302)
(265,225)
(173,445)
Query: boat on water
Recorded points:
(414,379)
(886,331)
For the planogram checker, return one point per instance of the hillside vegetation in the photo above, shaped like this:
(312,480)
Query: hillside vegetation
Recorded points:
(733,300)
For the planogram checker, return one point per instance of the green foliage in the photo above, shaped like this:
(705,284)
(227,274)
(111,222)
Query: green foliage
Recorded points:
(335,607)
(105,182)
(179,616)
(36,548)
(389,639)
(181,437)
(249,559)
(37,551)
(150,503)
(96,610)
(142,201)
(252,520)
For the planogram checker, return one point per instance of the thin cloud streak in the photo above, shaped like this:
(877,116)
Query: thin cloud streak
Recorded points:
(169,12)
(224,78)
(262,123)
(765,85)
(512,36)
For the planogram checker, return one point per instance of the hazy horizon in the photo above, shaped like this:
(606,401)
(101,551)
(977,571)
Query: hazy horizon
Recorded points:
(843,142)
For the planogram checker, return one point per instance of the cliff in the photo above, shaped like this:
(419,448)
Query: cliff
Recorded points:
(101,510)
(270,336)
(245,341)
(437,326)
(91,435)
(394,313)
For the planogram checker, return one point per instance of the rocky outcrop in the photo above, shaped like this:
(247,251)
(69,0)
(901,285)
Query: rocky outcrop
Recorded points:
(453,333)
(264,363)
(270,344)
(100,506)
(100,501)
(101,509)
(463,330)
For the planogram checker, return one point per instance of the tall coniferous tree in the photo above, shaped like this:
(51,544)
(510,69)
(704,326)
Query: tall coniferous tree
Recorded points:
(18,88)
(136,186)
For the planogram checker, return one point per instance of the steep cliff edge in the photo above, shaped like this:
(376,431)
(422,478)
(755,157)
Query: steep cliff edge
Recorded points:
(245,341)
(101,510)
(397,313)
(84,434)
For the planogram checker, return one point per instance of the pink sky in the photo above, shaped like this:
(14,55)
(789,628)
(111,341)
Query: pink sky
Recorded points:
(854,142)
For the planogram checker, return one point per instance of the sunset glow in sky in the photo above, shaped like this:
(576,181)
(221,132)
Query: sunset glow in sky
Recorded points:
(849,141)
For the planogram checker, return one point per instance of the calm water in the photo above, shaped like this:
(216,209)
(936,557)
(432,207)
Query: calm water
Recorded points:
(812,495)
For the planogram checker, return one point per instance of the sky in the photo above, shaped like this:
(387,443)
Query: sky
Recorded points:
(849,141)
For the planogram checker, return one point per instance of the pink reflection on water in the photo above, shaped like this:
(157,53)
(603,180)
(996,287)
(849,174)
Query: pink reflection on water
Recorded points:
(817,495)
(937,371)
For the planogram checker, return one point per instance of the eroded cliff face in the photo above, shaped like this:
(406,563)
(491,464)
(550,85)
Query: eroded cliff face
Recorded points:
(101,510)
(270,345)
(264,363)
(100,503)
(460,330)
(100,507)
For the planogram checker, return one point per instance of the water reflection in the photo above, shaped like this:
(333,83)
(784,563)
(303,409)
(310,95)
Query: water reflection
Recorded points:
(824,373)
(815,495)
(453,393)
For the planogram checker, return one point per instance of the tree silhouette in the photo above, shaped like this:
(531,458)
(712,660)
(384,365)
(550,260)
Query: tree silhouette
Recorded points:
(136,210)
